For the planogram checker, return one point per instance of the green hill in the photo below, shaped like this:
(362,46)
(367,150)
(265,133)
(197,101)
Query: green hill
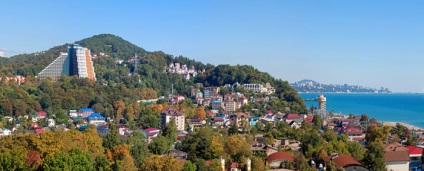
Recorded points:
(150,74)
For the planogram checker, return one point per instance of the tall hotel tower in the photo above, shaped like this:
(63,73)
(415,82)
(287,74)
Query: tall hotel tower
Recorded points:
(76,62)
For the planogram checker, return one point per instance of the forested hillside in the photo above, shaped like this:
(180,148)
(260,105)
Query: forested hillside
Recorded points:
(117,81)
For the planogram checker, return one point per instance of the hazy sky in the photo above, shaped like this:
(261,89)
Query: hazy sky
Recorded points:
(370,43)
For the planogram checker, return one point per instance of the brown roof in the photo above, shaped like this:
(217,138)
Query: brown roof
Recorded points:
(280,156)
(170,110)
(393,156)
(241,115)
(208,163)
(394,146)
(343,160)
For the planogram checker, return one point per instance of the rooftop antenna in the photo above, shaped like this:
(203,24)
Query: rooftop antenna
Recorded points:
(135,65)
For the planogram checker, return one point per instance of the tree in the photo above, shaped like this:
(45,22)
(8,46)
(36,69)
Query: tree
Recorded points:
(356,150)
(112,138)
(257,164)
(159,145)
(233,129)
(375,133)
(317,122)
(161,163)
(374,157)
(123,159)
(189,166)
(138,150)
(170,131)
(201,112)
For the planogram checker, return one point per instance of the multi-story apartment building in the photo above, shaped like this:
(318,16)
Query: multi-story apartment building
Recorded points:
(171,113)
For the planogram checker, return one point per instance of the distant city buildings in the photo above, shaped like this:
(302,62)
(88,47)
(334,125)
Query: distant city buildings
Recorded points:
(77,61)
(310,86)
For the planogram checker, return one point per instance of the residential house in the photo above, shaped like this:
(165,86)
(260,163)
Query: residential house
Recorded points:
(277,159)
(396,157)
(396,160)
(290,117)
(96,119)
(210,92)
(122,130)
(5,131)
(239,117)
(85,112)
(353,133)
(230,105)
(414,156)
(348,163)
(296,123)
(150,133)
(73,113)
(195,122)
(177,154)
(103,129)
(51,122)
(216,104)
(171,113)
(217,121)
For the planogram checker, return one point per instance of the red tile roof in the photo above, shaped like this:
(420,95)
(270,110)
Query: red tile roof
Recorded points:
(42,113)
(280,156)
(414,150)
(148,130)
(343,160)
(234,165)
(207,163)
(39,131)
(292,116)
(394,156)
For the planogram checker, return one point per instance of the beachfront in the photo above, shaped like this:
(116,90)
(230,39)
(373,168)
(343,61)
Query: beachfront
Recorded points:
(409,126)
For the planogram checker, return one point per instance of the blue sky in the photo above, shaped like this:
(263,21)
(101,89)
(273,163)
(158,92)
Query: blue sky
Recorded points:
(370,43)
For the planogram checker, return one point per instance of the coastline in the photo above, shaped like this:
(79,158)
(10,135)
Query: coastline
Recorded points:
(409,126)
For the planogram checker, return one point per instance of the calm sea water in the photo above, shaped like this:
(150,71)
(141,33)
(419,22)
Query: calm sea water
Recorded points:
(384,107)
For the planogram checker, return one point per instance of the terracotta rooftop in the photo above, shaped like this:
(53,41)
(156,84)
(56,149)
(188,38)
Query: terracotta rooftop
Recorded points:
(394,156)
(343,160)
(394,146)
(280,156)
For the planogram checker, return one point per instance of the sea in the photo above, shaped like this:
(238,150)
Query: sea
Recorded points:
(393,107)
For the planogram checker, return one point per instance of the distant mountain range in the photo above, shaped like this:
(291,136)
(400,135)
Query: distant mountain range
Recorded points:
(311,86)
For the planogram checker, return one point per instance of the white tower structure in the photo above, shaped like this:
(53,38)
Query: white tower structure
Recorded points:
(322,102)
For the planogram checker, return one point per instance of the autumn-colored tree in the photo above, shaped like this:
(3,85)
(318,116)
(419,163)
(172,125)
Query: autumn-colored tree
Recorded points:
(161,163)
(119,107)
(257,164)
(216,148)
(201,112)
(236,147)
(122,157)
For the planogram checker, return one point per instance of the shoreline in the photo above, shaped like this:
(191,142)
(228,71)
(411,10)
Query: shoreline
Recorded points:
(409,126)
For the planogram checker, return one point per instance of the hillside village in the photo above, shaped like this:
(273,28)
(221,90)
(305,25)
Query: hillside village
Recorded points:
(223,112)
